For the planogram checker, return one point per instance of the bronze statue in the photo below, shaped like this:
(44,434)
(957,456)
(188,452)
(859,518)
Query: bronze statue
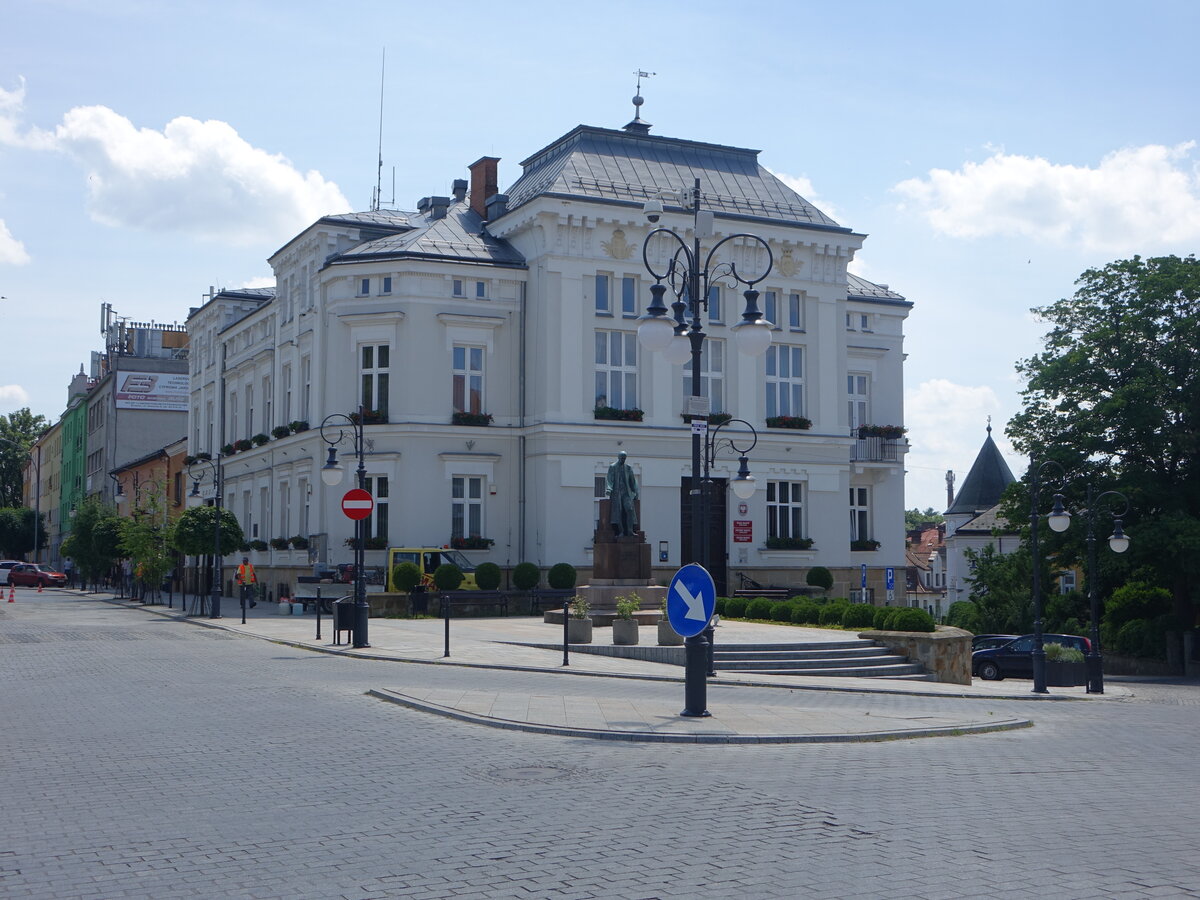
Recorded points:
(620,486)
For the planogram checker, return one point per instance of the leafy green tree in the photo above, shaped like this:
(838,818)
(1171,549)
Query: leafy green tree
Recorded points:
(146,541)
(1115,398)
(16,532)
(194,531)
(1001,590)
(914,518)
(18,431)
(95,539)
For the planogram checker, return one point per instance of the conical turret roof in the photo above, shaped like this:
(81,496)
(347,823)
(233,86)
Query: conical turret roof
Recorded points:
(986,481)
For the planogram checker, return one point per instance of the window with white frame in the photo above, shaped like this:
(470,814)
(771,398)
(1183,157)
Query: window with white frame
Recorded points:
(598,494)
(714,304)
(860,514)
(376,524)
(1066,581)
(712,375)
(785,509)
(466,506)
(458,288)
(268,399)
(387,285)
(603,294)
(481,291)
(858,399)
(233,416)
(375,362)
(785,380)
(796,311)
(364,287)
(287,395)
(249,410)
(629,286)
(306,395)
(468,378)
(284,503)
(771,307)
(303,487)
(616,369)
(858,321)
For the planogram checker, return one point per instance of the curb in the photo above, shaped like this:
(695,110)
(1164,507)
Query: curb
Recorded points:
(668,738)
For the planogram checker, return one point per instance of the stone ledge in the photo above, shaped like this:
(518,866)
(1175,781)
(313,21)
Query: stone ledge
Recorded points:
(945,653)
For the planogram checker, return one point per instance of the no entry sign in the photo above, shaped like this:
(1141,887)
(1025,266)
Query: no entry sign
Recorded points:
(357,504)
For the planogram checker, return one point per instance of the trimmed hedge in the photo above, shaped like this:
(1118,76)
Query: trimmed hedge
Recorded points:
(758,608)
(447,577)
(859,615)
(961,615)
(909,618)
(525,576)
(735,607)
(832,614)
(561,576)
(805,612)
(488,576)
(781,612)
(879,620)
(819,576)
(719,606)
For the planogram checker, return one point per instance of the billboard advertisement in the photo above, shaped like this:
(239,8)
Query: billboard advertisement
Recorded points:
(152,390)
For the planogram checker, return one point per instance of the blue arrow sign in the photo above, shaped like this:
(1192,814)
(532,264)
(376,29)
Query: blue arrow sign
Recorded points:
(891,578)
(691,599)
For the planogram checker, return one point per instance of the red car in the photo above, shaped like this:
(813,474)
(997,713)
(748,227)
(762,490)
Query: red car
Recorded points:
(30,575)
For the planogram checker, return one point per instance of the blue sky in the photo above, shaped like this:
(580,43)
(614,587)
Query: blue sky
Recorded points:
(992,152)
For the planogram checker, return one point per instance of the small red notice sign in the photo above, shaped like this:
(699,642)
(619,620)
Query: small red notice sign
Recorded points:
(743,531)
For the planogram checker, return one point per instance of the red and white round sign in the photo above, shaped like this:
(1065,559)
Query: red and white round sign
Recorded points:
(357,504)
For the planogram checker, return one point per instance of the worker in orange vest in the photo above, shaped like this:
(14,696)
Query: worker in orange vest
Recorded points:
(246,577)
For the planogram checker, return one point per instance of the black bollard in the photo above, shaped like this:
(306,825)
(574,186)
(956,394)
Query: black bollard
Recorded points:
(318,614)
(695,687)
(566,632)
(446,614)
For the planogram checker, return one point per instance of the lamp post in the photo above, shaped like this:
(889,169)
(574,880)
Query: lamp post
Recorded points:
(1118,542)
(197,472)
(690,276)
(743,484)
(331,474)
(1055,519)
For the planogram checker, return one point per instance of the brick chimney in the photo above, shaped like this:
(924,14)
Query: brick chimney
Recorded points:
(484,183)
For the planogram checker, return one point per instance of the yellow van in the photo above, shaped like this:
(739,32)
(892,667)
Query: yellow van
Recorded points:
(427,559)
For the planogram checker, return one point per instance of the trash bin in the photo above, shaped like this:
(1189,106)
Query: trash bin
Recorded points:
(343,617)
(418,601)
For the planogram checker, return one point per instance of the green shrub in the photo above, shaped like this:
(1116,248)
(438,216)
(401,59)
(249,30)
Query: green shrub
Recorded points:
(525,576)
(781,612)
(805,612)
(561,576)
(1059,653)
(719,606)
(832,615)
(447,577)
(859,615)
(488,576)
(1135,600)
(880,618)
(908,618)
(406,576)
(735,608)
(758,608)
(961,615)
(627,605)
(819,576)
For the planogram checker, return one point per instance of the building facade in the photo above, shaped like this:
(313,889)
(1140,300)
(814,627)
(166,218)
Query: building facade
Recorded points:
(490,339)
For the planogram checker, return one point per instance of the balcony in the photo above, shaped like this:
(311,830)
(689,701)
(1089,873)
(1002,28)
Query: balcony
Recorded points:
(875,449)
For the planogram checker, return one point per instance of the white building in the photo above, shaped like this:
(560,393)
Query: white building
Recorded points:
(517,312)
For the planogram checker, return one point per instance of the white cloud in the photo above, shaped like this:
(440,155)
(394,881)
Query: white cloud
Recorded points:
(193,177)
(12,251)
(947,425)
(261,281)
(804,187)
(13,397)
(1136,199)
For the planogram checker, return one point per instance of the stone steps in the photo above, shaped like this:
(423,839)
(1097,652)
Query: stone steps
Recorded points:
(856,658)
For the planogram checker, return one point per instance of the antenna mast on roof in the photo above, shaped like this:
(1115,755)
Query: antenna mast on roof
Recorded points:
(375,198)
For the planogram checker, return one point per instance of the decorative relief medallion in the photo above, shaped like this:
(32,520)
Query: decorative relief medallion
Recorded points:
(787,264)
(618,247)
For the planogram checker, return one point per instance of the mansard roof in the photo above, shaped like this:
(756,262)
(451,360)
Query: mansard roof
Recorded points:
(860,289)
(457,236)
(626,168)
(986,481)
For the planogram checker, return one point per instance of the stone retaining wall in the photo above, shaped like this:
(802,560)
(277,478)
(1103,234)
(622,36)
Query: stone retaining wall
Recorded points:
(945,653)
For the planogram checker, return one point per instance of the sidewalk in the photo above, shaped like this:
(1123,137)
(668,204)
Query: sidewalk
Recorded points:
(509,643)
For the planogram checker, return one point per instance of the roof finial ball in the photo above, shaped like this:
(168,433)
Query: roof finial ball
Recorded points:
(637,126)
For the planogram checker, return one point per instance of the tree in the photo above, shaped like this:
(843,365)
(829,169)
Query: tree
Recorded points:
(1115,398)
(1001,590)
(914,518)
(194,531)
(18,432)
(94,542)
(16,532)
(145,539)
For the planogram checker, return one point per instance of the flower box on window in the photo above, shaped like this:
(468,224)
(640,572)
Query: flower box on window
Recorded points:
(370,417)
(243,444)
(280,431)
(279,543)
(864,545)
(789,543)
(228,450)
(891,432)
(260,439)
(474,542)
(258,545)
(621,415)
(298,426)
(788,422)
(470,418)
(715,420)
(298,542)
(371,543)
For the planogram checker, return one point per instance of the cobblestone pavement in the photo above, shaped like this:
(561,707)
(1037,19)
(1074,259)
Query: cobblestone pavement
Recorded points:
(143,756)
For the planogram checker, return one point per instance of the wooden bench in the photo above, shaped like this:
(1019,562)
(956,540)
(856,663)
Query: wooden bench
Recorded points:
(550,598)
(309,594)
(498,599)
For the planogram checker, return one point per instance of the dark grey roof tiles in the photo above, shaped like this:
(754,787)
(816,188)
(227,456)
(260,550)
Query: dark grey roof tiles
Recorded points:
(986,481)
(261,294)
(861,289)
(459,236)
(615,166)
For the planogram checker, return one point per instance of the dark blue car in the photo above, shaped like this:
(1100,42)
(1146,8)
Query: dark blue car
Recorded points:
(1015,659)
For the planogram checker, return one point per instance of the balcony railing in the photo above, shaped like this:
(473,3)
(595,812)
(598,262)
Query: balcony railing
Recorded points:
(875,449)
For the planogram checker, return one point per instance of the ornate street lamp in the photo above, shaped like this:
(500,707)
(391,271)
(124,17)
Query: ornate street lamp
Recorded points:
(340,424)
(690,276)
(1118,542)
(197,471)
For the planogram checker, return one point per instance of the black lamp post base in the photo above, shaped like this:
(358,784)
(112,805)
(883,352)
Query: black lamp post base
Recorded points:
(1095,674)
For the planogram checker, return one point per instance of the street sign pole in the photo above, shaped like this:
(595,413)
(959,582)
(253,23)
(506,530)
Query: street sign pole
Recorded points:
(691,599)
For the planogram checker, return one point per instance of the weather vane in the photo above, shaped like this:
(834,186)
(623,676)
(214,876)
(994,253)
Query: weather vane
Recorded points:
(637,97)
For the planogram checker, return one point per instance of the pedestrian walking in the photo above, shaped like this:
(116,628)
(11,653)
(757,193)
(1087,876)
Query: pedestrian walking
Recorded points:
(247,580)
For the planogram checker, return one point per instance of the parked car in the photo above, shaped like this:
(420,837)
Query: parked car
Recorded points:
(5,566)
(988,641)
(31,575)
(1015,659)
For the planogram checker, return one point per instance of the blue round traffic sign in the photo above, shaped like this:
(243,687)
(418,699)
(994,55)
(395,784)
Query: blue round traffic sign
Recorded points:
(691,599)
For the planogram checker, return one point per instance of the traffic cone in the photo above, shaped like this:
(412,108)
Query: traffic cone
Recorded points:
(12,595)
(39,587)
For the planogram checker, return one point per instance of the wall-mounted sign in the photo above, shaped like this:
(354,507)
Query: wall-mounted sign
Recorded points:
(743,531)
(152,390)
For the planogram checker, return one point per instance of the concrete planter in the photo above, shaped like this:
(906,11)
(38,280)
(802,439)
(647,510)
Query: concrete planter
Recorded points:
(283,609)
(667,636)
(297,609)
(1065,674)
(579,631)
(625,631)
